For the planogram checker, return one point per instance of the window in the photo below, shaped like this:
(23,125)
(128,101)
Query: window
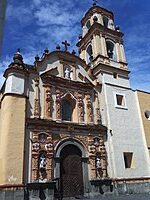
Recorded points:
(89,54)
(120,100)
(66,110)
(128,159)
(88,24)
(115,75)
(105,21)
(111,51)
(147,114)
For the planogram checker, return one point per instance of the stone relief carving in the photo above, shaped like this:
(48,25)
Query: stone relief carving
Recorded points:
(98,157)
(42,152)
(80,107)
(36,100)
(48,103)
(89,108)
(58,104)
(98,115)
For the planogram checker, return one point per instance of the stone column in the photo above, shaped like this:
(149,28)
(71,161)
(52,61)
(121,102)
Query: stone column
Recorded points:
(118,52)
(80,108)
(122,53)
(103,45)
(97,107)
(103,158)
(89,108)
(36,100)
(48,103)
(58,105)
(97,45)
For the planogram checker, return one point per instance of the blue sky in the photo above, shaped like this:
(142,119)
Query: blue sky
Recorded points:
(33,25)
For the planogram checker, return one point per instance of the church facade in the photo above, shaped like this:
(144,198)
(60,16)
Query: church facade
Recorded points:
(71,126)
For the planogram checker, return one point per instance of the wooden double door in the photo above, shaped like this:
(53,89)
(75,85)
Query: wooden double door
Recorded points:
(71,173)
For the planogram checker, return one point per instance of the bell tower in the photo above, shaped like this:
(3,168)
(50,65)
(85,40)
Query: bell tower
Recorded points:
(101,41)
(101,47)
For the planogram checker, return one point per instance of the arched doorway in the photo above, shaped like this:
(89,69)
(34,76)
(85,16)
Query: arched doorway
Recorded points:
(71,173)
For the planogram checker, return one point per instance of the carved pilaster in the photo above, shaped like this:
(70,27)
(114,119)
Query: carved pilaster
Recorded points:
(80,108)
(48,103)
(98,115)
(34,167)
(89,108)
(58,105)
(36,100)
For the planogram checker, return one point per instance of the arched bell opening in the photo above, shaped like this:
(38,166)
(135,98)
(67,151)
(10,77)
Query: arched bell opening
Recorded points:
(89,54)
(111,50)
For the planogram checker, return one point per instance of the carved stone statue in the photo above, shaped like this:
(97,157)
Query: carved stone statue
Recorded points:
(99,172)
(43,162)
(67,72)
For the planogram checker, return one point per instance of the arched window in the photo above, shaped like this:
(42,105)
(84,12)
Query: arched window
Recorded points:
(89,54)
(88,24)
(111,51)
(105,21)
(66,110)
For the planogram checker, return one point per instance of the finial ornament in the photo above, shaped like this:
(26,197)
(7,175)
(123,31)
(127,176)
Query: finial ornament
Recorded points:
(66,45)
(95,2)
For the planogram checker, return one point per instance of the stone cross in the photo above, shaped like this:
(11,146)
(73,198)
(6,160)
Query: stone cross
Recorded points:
(66,45)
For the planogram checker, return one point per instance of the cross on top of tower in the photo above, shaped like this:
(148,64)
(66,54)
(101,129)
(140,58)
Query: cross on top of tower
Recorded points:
(66,44)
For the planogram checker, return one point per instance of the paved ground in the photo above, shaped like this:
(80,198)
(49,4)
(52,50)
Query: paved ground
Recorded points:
(126,197)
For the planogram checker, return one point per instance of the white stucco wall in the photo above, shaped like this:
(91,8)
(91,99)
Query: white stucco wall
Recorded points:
(124,134)
(15,84)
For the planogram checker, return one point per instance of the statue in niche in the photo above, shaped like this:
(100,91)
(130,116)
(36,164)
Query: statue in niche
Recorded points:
(42,168)
(42,162)
(67,72)
(99,172)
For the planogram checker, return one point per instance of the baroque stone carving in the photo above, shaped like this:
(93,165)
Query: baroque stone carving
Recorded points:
(42,151)
(36,100)
(98,157)
(98,115)
(80,107)
(58,104)
(48,102)
(89,108)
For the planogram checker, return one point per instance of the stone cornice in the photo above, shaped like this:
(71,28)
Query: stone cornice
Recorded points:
(96,9)
(15,70)
(63,56)
(61,82)
(45,124)
(108,68)
(98,29)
